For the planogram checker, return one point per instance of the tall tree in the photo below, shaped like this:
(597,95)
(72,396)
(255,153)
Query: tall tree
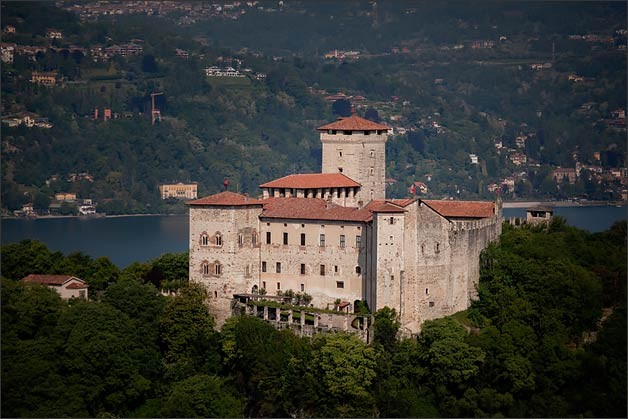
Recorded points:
(341,107)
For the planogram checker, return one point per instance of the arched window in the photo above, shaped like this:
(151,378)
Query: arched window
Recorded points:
(217,268)
(254,238)
(254,290)
(205,267)
(358,270)
(437,250)
(204,239)
(218,239)
(240,239)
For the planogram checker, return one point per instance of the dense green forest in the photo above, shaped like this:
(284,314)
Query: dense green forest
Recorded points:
(546,338)
(418,70)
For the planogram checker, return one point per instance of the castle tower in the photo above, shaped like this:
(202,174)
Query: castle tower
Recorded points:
(356,147)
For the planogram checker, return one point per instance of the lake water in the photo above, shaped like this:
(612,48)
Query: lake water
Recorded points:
(122,239)
(129,239)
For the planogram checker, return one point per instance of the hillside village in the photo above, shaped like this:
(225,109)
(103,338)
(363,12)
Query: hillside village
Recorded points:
(129,79)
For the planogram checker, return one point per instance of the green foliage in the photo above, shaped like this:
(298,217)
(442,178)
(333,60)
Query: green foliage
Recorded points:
(201,396)
(188,340)
(519,351)
(348,371)
(386,327)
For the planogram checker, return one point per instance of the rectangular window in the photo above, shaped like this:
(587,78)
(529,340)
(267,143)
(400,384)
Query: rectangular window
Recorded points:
(322,240)
(336,268)
(285,238)
(82,293)
(340,284)
(302,239)
(358,241)
(240,240)
(342,241)
(263,266)
(323,270)
(302,287)
(264,284)
(278,285)
(303,269)
(268,237)
(278,267)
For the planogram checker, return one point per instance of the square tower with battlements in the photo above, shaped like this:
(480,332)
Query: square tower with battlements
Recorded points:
(356,147)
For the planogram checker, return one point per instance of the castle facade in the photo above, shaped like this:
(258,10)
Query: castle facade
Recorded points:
(335,236)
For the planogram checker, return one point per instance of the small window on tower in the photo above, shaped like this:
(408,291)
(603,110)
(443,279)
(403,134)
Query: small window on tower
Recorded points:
(302,239)
(339,153)
(303,269)
(268,237)
(340,170)
(372,152)
(285,238)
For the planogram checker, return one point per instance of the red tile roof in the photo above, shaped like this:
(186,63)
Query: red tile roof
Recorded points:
(389,205)
(312,181)
(49,279)
(311,209)
(353,123)
(77,286)
(463,209)
(226,198)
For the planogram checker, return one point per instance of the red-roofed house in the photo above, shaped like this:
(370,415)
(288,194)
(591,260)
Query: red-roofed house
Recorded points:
(66,286)
(335,236)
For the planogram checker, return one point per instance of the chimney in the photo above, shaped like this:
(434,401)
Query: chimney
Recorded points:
(360,204)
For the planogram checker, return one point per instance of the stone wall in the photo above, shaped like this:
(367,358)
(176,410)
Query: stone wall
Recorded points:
(438,264)
(389,229)
(361,157)
(238,255)
(338,279)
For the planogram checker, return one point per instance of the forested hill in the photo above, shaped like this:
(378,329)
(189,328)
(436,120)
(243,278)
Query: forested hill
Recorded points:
(481,96)
(534,344)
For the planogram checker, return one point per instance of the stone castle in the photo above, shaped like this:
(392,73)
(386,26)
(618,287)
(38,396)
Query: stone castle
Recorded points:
(335,236)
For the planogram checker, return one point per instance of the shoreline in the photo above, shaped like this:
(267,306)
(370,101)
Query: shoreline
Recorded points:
(86,217)
(554,204)
(505,204)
